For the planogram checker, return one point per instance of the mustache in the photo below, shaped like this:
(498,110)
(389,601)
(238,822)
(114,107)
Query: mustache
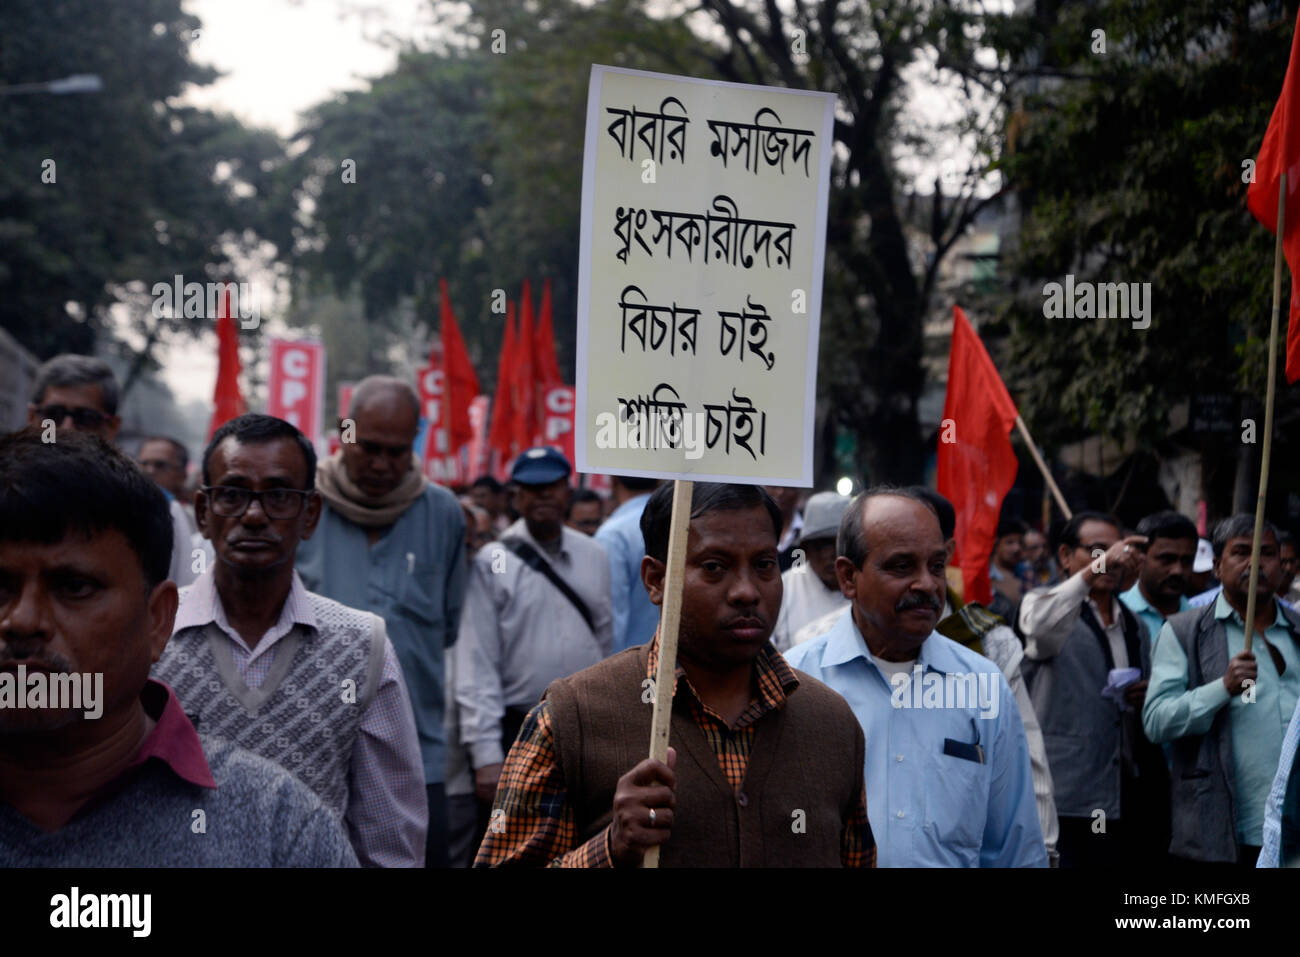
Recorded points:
(34,652)
(1245,578)
(918,600)
(267,537)
(1177,582)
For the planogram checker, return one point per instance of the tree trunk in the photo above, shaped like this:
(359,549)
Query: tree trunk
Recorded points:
(891,451)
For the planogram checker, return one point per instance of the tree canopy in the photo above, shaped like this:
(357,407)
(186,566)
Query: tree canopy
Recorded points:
(104,194)
(1130,166)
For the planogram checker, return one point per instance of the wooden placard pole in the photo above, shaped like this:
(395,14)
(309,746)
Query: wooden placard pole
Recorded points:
(1268,413)
(670,617)
(1042,466)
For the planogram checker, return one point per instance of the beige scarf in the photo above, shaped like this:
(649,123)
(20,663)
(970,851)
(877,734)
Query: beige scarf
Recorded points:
(364,510)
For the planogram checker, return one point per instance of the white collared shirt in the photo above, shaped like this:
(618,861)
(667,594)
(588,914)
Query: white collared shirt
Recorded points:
(518,632)
(804,598)
(1047,616)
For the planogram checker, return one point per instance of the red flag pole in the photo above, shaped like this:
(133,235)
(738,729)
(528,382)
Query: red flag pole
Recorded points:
(1268,413)
(1042,466)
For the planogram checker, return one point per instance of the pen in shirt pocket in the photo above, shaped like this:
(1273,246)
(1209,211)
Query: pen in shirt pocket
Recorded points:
(979,748)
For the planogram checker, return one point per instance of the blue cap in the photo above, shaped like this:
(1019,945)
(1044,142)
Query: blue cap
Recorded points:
(540,466)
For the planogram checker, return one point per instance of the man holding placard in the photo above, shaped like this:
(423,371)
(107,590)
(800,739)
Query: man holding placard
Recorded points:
(767,768)
(699,299)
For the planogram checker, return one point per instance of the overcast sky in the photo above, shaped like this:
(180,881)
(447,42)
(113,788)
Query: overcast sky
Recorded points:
(280,57)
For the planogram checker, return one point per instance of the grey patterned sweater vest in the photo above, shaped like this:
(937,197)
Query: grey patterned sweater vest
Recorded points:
(306,715)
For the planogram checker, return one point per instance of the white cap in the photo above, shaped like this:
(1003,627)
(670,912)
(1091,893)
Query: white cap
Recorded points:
(821,515)
(1204,557)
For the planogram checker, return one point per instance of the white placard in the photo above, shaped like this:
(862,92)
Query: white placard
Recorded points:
(700,277)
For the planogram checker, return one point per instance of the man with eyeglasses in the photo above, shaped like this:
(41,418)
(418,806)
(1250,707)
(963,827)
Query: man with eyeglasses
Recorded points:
(80,394)
(1111,782)
(302,680)
(166,460)
(393,543)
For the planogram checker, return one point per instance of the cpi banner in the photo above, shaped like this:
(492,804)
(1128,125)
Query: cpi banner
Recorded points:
(297,385)
(557,422)
(441,463)
(700,277)
(557,419)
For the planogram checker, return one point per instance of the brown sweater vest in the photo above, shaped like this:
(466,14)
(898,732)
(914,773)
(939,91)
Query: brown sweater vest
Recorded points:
(800,789)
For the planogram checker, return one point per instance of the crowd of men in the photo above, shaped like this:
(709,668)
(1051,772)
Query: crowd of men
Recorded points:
(335,662)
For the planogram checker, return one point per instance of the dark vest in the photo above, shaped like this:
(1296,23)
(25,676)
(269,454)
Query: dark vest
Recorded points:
(808,756)
(1083,733)
(1203,778)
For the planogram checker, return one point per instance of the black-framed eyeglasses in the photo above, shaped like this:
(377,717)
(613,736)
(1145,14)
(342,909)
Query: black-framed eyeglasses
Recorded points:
(82,417)
(231,501)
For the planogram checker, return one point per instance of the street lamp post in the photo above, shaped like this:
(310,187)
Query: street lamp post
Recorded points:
(77,83)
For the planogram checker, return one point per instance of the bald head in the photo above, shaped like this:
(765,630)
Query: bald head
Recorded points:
(887,518)
(386,413)
(871,508)
(386,391)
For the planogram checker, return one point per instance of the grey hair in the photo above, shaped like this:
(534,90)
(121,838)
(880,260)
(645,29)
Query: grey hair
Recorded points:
(852,539)
(1238,526)
(69,369)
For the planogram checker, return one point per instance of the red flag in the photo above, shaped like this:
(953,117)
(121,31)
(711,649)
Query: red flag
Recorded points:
(548,366)
(1279,153)
(501,432)
(460,380)
(977,466)
(227,402)
(525,395)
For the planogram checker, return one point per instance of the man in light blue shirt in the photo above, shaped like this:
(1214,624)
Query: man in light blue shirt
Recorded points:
(635,619)
(1162,579)
(391,543)
(1282,812)
(947,763)
(1225,709)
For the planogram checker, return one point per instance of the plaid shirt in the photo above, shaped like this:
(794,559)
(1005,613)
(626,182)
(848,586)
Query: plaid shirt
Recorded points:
(537,824)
